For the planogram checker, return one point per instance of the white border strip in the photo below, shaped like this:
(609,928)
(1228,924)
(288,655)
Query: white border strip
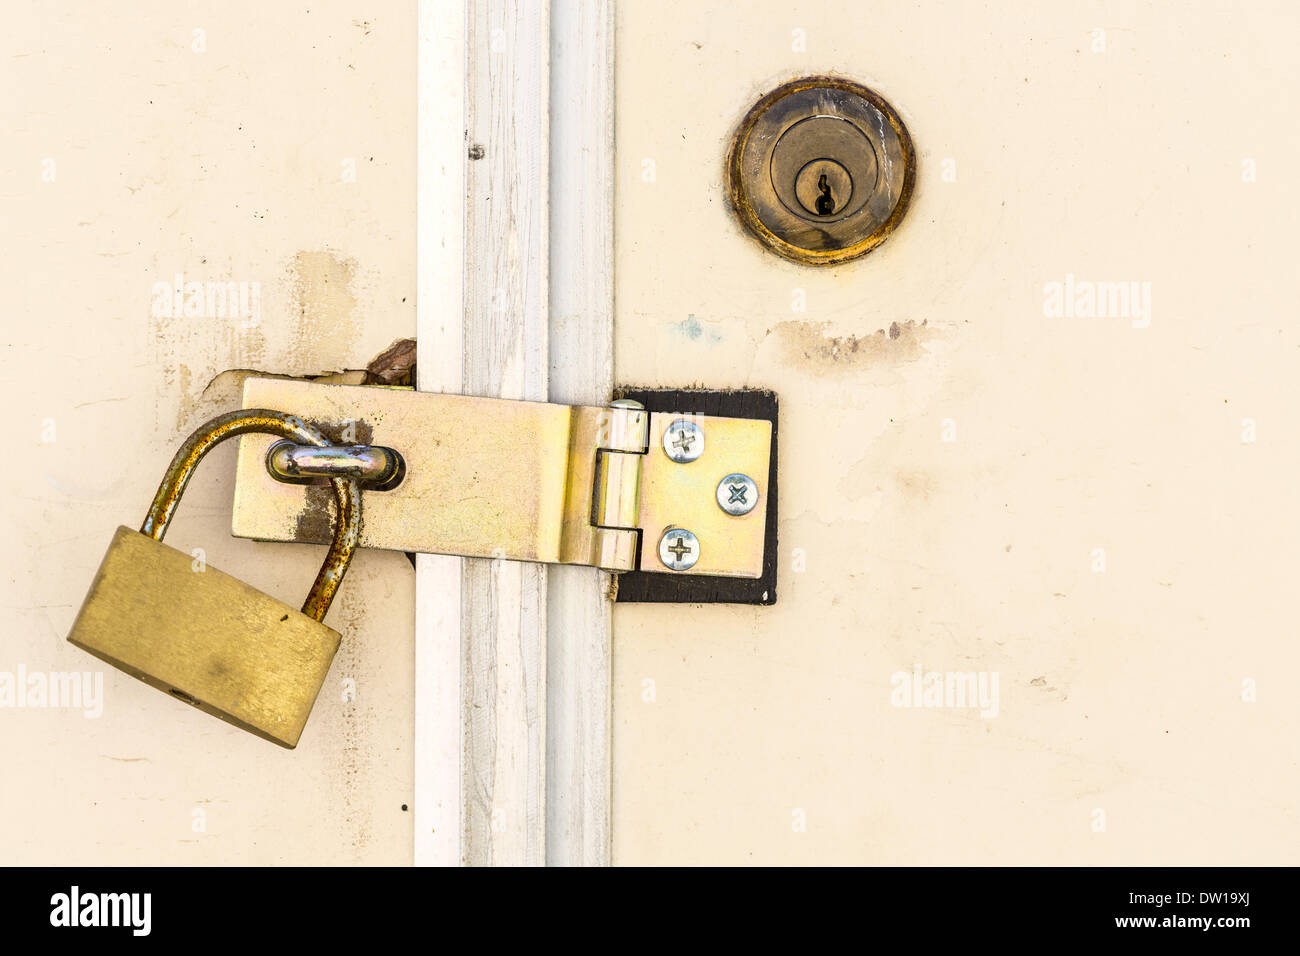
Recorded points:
(505,326)
(440,263)
(453,802)
(581,373)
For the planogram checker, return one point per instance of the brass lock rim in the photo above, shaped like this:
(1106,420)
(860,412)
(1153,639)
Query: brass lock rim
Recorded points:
(739,195)
(347,491)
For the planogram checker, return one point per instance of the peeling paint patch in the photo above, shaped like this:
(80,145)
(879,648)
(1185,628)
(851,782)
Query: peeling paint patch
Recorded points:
(323,305)
(395,365)
(228,386)
(807,344)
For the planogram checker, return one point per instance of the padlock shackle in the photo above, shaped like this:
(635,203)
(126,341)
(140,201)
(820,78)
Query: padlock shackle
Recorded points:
(347,492)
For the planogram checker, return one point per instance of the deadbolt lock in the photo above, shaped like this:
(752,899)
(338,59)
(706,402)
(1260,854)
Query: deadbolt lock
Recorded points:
(821,170)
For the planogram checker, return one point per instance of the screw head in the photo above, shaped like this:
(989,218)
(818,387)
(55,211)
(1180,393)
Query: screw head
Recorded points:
(679,549)
(737,494)
(683,441)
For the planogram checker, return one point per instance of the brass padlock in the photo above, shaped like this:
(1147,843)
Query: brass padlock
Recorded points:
(203,636)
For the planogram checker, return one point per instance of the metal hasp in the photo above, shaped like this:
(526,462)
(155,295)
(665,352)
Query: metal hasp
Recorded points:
(821,170)
(735,493)
(527,481)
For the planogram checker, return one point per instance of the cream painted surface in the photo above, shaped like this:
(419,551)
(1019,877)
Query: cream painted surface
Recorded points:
(225,164)
(1121,691)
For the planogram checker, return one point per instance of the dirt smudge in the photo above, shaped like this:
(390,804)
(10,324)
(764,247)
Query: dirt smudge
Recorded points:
(315,523)
(916,485)
(808,345)
(695,330)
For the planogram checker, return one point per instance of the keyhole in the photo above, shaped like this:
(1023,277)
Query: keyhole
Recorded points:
(825,202)
(822,190)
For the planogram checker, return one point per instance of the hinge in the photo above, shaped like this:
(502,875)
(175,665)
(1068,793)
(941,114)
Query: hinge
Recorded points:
(615,487)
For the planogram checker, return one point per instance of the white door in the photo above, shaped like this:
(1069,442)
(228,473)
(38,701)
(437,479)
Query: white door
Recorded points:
(978,476)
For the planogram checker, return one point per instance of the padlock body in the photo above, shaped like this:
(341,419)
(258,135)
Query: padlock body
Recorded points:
(204,637)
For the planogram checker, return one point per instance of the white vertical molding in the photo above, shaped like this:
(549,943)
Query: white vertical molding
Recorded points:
(581,372)
(505,355)
(440,263)
(513,661)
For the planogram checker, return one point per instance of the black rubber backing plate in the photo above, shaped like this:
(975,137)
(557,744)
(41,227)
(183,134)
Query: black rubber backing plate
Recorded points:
(643,587)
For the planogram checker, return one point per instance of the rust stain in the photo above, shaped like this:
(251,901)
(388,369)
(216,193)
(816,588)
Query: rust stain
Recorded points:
(807,344)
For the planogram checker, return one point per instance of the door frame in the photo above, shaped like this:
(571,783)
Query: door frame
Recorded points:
(514,300)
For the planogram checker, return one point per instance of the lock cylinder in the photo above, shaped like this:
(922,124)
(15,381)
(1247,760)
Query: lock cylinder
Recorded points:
(821,170)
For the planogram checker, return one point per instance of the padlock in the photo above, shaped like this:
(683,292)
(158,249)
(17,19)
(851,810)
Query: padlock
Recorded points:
(202,636)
